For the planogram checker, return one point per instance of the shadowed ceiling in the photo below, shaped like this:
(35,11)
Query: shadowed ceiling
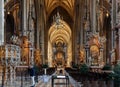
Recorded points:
(68,5)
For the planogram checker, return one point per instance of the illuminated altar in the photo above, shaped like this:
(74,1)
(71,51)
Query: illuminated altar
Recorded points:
(59,41)
(94,50)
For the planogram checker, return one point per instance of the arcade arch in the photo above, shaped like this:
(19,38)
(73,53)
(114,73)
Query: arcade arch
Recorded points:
(60,44)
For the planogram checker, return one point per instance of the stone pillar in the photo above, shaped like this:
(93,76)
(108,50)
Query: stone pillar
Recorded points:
(93,15)
(117,30)
(101,61)
(40,18)
(76,44)
(31,56)
(81,19)
(38,35)
(87,56)
(119,45)
(113,21)
(1,22)
(76,34)
(24,17)
(37,56)
(37,6)
(31,28)
(42,28)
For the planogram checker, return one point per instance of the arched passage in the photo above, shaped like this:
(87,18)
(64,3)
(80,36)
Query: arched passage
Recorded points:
(59,44)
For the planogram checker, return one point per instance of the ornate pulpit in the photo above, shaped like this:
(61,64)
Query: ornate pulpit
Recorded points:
(10,58)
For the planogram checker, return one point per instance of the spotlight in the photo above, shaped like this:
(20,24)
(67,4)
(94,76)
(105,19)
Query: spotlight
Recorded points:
(8,12)
(107,14)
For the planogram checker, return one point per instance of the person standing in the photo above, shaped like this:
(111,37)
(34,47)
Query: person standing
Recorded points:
(32,75)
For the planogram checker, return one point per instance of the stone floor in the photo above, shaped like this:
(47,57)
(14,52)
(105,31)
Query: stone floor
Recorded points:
(48,84)
(19,82)
(26,82)
(41,83)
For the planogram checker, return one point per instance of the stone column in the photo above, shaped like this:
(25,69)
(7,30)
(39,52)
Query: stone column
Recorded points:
(117,29)
(38,35)
(87,58)
(1,22)
(76,34)
(79,29)
(101,61)
(31,56)
(42,28)
(24,17)
(38,24)
(119,45)
(117,34)
(94,15)
(113,22)
(37,55)
(81,19)
(31,30)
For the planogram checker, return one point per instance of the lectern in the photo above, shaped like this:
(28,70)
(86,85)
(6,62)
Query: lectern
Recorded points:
(60,83)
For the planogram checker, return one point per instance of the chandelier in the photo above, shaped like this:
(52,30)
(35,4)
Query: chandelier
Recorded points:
(57,21)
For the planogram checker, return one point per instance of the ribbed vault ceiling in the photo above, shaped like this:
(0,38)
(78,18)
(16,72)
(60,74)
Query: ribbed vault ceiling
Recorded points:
(63,34)
(66,4)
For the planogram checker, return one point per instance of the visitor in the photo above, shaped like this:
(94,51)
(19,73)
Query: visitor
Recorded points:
(32,75)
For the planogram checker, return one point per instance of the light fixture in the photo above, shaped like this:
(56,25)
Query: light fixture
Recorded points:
(8,12)
(107,14)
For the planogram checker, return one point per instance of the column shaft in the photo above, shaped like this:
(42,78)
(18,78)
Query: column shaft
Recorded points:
(94,16)
(37,7)
(24,18)
(42,28)
(113,22)
(119,44)
(1,22)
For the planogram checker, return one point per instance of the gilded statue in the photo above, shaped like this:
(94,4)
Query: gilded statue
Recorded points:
(81,56)
(94,51)
(37,57)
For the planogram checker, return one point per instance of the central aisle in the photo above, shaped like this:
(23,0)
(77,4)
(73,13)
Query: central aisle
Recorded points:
(46,80)
(48,84)
(59,79)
